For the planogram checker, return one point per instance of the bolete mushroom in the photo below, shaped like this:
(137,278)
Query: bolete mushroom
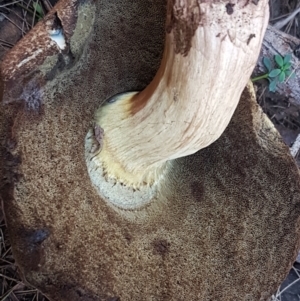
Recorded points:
(125,206)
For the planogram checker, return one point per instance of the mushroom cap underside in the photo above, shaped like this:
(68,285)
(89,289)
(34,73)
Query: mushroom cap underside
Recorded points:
(225,225)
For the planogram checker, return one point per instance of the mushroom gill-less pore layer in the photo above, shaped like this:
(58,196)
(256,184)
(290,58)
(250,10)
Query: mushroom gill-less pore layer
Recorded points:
(224,227)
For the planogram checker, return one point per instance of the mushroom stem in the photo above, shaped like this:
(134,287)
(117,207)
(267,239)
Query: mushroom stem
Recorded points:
(211,48)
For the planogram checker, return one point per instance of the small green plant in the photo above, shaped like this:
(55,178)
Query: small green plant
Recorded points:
(35,9)
(278,74)
(38,10)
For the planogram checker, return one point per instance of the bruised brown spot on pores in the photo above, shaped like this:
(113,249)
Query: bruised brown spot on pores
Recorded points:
(197,189)
(31,247)
(161,246)
(183,19)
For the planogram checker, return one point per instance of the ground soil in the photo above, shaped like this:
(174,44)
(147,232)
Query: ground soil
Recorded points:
(283,113)
(17,19)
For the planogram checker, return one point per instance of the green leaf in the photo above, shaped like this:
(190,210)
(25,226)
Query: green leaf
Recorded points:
(287,58)
(38,8)
(279,60)
(267,63)
(272,86)
(287,66)
(281,77)
(290,74)
(274,73)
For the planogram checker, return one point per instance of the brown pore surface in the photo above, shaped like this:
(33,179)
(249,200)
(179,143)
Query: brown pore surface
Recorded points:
(225,226)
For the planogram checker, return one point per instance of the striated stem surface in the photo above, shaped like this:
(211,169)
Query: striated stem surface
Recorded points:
(211,48)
